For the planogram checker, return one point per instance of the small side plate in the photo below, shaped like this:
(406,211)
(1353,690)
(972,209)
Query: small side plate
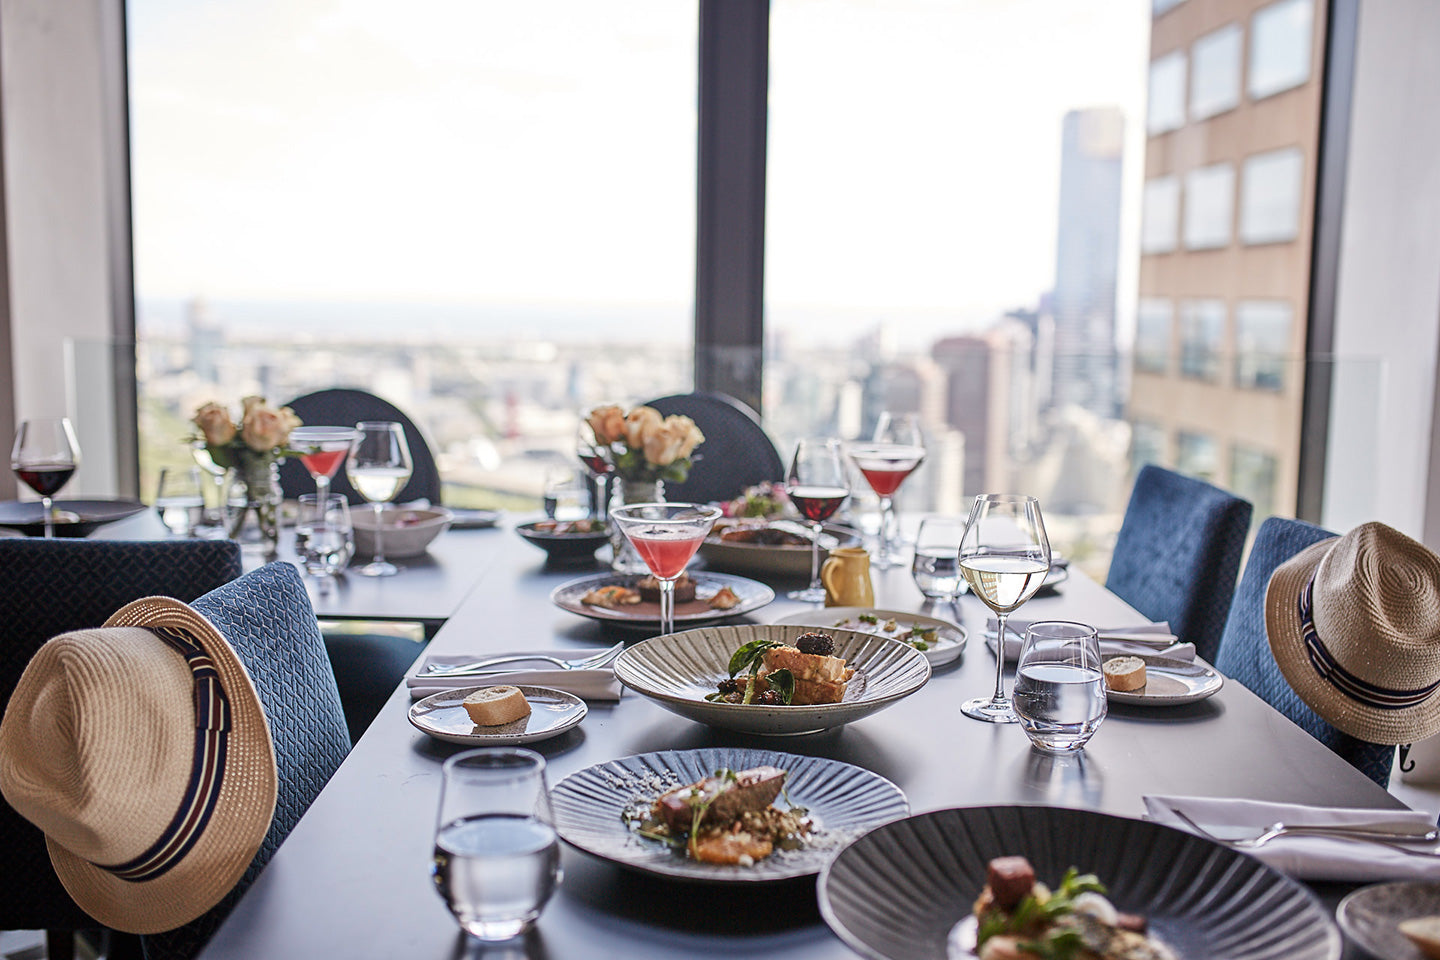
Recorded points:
(443,716)
(1371,916)
(1170,682)
(949,640)
(465,518)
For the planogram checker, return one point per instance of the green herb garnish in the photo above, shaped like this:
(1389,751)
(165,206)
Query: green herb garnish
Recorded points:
(869,618)
(783,681)
(749,655)
(1030,915)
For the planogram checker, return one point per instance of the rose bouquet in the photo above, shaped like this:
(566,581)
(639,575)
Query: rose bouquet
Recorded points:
(252,447)
(642,446)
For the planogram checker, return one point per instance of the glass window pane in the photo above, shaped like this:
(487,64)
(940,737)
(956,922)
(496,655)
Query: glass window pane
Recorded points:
(1209,206)
(1280,47)
(1253,476)
(1262,343)
(1147,444)
(1202,331)
(1270,196)
(1167,93)
(1153,319)
(1160,222)
(1160,6)
(1215,76)
(1197,455)
(481,210)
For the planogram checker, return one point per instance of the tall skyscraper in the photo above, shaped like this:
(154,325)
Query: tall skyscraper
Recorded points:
(1087,258)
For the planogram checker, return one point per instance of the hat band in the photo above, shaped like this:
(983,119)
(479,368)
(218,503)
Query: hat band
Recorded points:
(212,730)
(1357,689)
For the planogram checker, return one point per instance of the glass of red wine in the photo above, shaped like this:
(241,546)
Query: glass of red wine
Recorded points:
(322,450)
(817,484)
(45,456)
(895,451)
(666,535)
(598,466)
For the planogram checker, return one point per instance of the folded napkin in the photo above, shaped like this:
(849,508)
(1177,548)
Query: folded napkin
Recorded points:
(1141,639)
(1306,858)
(599,684)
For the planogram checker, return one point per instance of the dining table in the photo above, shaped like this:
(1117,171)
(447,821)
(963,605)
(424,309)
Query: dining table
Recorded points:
(353,879)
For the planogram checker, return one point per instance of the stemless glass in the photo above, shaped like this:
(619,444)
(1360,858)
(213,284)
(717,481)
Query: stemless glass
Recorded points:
(497,855)
(322,450)
(666,535)
(817,484)
(1059,687)
(215,512)
(180,500)
(1004,556)
(936,564)
(324,536)
(378,467)
(45,456)
(894,452)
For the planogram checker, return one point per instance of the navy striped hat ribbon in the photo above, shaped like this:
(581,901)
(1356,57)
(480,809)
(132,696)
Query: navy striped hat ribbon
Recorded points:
(212,730)
(1357,689)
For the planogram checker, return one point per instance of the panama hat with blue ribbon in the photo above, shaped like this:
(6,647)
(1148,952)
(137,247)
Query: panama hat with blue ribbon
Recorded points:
(1354,624)
(142,751)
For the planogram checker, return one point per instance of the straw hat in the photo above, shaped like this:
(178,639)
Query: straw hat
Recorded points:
(153,782)
(1354,623)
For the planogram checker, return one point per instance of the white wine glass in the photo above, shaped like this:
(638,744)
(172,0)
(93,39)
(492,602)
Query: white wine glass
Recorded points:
(818,485)
(45,456)
(1004,556)
(895,451)
(379,466)
(666,535)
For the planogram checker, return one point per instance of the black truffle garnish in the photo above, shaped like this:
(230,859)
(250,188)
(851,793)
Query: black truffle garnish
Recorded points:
(818,644)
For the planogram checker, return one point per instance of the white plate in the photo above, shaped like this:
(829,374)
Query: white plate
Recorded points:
(1170,682)
(646,614)
(443,716)
(949,637)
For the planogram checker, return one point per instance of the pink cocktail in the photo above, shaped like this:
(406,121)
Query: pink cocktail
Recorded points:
(666,556)
(885,466)
(666,536)
(322,450)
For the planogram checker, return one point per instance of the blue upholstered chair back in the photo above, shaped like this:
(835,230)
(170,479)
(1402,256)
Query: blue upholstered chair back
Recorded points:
(737,452)
(266,616)
(50,587)
(344,407)
(1178,554)
(1245,648)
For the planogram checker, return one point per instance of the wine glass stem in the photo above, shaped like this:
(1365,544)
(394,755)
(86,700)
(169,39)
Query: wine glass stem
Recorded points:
(379,547)
(47,508)
(667,607)
(815,556)
(1000,658)
(887,520)
(322,489)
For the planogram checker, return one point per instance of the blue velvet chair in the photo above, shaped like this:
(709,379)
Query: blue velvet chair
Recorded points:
(49,587)
(1178,553)
(1245,648)
(266,616)
(737,452)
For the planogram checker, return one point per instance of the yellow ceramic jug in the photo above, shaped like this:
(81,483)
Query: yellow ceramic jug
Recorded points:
(846,575)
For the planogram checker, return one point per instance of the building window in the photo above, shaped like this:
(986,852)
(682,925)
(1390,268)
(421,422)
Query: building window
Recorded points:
(1252,476)
(1280,47)
(1202,330)
(1215,73)
(1147,444)
(1262,343)
(1161,6)
(1197,455)
(1270,196)
(1153,320)
(1209,206)
(1167,93)
(1160,219)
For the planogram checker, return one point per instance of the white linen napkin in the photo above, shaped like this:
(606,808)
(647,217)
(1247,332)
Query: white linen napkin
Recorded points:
(1306,858)
(599,684)
(1141,639)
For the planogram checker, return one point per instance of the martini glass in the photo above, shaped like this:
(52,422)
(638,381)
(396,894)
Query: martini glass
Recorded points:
(666,535)
(894,453)
(817,485)
(322,450)
(1004,556)
(45,456)
(379,466)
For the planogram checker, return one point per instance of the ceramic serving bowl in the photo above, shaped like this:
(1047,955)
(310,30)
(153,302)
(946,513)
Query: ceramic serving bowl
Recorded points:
(562,542)
(407,532)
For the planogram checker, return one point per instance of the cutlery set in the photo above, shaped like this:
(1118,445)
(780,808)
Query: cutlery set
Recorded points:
(483,665)
(1401,837)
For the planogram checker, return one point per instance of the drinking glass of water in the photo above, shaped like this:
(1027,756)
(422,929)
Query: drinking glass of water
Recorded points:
(497,856)
(180,500)
(936,565)
(324,535)
(1059,687)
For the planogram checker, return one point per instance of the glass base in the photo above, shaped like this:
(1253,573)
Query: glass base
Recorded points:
(990,710)
(808,595)
(495,931)
(378,568)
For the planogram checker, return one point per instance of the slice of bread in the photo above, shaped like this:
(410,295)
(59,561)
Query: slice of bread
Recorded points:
(1424,932)
(492,706)
(1124,673)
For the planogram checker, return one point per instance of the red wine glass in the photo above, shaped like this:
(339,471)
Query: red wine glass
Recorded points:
(322,450)
(598,466)
(895,451)
(666,535)
(817,484)
(45,456)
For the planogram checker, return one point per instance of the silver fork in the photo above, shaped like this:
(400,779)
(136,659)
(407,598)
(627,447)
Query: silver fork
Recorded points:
(475,666)
(1390,839)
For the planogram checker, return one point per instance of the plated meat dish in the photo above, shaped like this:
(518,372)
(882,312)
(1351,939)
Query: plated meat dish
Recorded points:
(785,675)
(728,818)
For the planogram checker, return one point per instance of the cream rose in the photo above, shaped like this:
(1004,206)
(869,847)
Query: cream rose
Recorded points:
(215,423)
(693,436)
(607,423)
(641,423)
(674,438)
(265,428)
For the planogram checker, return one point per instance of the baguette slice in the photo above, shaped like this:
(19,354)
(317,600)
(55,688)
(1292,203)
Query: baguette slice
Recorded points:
(1424,932)
(492,706)
(1124,673)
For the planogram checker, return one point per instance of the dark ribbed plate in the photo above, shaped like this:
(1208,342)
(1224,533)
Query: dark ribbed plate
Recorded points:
(1372,916)
(645,615)
(677,671)
(897,892)
(845,800)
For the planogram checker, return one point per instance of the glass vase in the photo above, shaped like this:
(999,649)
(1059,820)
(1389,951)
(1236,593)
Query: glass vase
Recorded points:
(257,497)
(624,558)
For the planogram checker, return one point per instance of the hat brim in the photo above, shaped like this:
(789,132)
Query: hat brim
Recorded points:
(1287,643)
(242,814)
